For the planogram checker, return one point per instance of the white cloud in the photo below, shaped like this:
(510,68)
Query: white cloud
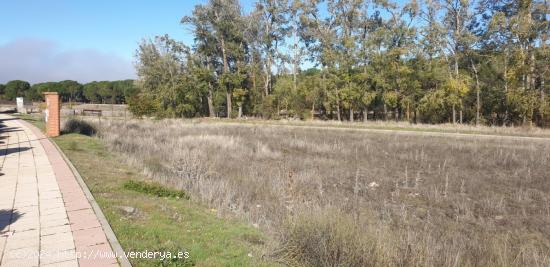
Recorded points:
(37,60)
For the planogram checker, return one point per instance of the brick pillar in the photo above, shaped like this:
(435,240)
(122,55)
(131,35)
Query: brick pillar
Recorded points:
(53,111)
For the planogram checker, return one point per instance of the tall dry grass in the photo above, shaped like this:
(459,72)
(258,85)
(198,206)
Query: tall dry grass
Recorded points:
(351,198)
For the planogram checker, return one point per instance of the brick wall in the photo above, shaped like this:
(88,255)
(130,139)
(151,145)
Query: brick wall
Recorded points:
(53,125)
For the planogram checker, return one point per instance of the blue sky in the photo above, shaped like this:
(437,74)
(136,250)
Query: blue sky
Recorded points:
(44,40)
(84,40)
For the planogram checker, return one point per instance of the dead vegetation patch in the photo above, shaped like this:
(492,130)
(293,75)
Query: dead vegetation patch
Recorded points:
(352,198)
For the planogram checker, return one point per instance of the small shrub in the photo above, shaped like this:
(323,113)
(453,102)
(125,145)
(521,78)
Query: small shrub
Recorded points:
(154,189)
(326,238)
(79,127)
(142,105)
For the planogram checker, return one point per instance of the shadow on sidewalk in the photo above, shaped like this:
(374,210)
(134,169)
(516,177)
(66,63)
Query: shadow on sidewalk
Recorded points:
(5,129)
(9,129)
(8,119)
(7,217)
(7,151)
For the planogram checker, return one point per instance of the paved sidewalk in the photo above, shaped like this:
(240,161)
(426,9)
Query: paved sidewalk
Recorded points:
(45,218)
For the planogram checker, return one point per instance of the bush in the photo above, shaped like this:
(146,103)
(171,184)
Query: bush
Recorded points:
(142,105)
(154,189)
(327,238)
(79,126)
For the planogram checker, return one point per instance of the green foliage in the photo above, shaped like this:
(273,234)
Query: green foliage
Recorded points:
(455,90)
(523,103)
(142,105)
(390,98)
(154,189)
(115,92)
(433,106)
(16,88)
(269,107)
(169,85)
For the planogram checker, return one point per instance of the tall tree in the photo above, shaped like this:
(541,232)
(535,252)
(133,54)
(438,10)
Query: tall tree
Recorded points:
(16,88)
(273,29)
(456,19)
(206,50)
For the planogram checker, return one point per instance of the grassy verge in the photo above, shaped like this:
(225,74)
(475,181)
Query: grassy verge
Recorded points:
(34,120)
(143,221)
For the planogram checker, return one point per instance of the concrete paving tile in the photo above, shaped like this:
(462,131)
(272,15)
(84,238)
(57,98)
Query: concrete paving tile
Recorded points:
(24,226)
(62,245)
(99,255)
(26,234)
(27,210)
(56,217)
(52,211)
(89,237)
(52,204)
(19,205)
(53,256)
(30,262)
(14,243)
(83,219)
(53,223)
(58,237)
(75,206)
(69,263)
(50,194)
(44,231)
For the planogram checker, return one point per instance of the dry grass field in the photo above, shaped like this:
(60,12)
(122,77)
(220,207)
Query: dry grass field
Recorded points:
(355,198)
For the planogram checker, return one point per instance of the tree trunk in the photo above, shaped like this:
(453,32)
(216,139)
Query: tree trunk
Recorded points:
(478,100)
(338,110)
(240,111)
(210,104)
(396,115)
(542,73)
(456,48)
(460,112)
(225,71)
(351,114)
(295,60)
(365,115)
(210,93)
(267,75)
(253,77)
(229,107)
(506,86)
(454,114)
(408,113)
(385,111)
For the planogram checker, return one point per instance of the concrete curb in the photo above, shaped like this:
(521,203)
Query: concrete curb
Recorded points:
(111,237)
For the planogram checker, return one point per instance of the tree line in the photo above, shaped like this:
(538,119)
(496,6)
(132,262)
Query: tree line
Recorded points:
(104,92)
(459,61)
